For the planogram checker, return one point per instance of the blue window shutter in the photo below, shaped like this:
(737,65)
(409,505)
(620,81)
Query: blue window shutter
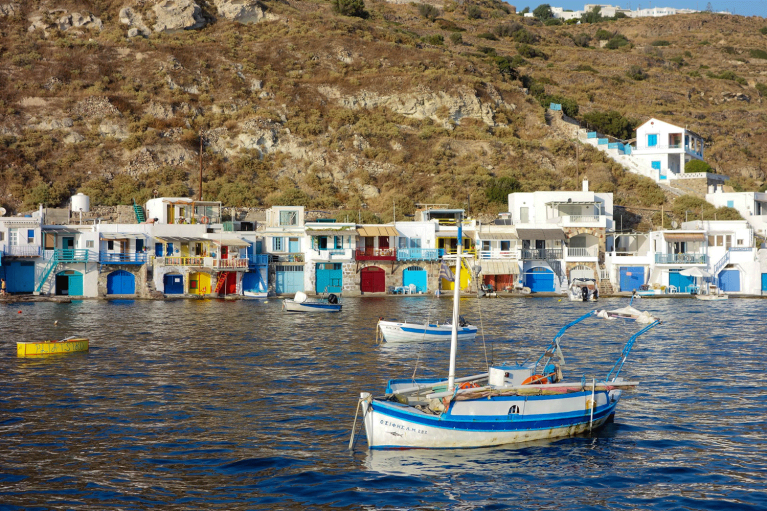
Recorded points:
(730,204)
(652,140)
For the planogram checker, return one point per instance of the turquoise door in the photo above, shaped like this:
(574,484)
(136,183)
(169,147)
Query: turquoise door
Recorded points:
(293,245)
(329,278)
(417,276)
(729,280)
(289,279)
(20,277)
(681,282)
(764,282)
(69,283)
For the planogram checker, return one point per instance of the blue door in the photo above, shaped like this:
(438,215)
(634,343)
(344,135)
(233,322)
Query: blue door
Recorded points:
(729,280)
(20,277)
(329,278)
(417,276)
(682,282)
(254,281)
(121,282)
(289,279)
(293,245)
(158,249)
(540,280)
(69,282)
(631,277)
(173,284)
(764,282)
(169,249)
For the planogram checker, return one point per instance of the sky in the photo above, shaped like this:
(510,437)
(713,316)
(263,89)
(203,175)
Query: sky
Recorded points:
(740,7)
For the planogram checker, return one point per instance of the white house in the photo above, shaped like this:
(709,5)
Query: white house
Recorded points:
(285,243)
(666,148)
(182,210)
(751,205)
(330,257)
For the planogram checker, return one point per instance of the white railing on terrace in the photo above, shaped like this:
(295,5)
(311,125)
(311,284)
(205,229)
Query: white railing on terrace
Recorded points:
(582,252)
(584,218)
(499,254)
(604,274)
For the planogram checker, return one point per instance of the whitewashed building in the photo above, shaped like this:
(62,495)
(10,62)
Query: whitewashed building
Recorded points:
(752,206)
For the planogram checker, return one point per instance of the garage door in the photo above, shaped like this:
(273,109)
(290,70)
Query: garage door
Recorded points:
(417,276)
(682,283)
(20,277)
(289,279)
(764,281)
(582,272)
(121,282)
(254,281)
(69,283)
(631,277)
(373,280)
(173,284)
(540,280)
(729,280)
(329,278)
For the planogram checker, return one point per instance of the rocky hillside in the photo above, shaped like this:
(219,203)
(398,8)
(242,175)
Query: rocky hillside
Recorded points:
(398,103)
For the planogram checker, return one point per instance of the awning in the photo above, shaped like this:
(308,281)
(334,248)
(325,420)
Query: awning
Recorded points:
(684,236)
(331,232)
(180,239)
(231,242)
(121,236)
(577,202)
(67,230)
(377,230)
(541,234)
(500,268)
(497,236)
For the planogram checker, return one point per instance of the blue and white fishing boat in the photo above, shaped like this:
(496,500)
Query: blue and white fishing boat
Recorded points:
(302,303)
(507,404)
(394,332)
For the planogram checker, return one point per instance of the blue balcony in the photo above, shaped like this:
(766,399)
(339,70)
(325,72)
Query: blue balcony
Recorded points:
(120,258)
(418,254)
(258,260)
(71,255)
(680,258)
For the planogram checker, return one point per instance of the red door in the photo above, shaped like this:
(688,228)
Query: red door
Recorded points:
(383,242)
(373,280)
(224,252)
(231,283)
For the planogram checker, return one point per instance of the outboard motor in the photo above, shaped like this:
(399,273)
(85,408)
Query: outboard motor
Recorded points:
(333,299)
(596,294)
(585,293)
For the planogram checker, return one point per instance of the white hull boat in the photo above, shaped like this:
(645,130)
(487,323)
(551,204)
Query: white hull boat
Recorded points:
(712,298)
(255,295)
(301,303)
(583,290)
(394,332)
(507,404)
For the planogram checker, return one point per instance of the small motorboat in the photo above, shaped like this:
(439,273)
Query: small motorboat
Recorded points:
(302,303)
(712,298)
(583,290)
(37,348)
(255,295)
(396,332)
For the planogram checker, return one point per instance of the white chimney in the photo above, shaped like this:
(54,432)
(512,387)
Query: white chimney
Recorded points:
(711,188)
(585,185)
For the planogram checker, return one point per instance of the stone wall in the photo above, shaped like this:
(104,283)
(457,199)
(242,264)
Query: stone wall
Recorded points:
(138,271)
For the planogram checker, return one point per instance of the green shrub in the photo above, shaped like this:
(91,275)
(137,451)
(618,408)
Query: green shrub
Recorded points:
(428,11)
(729,50)
(761,89)
(487,50)
(593,16)
(456,38)
(603,35)
(581,40)
(758,54)
(586,69)
(474,12)
(727,75)
(524,37)
(693,166)
(436,39)
(763,30)
(530,52)
(517,61)
(543,12)
(617,41)
(507,29)
(499,189)
(677,60)
(553,22)
(354,8)
(506,67)
(660,42)
(636,73)
(449,26)
(488,36)
(694,74)
(611,123)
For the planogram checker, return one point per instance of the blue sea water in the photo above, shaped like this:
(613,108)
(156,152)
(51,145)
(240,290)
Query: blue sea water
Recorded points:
(238,405)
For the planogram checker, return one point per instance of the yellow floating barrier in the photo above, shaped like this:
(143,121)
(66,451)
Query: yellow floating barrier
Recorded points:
(37,348)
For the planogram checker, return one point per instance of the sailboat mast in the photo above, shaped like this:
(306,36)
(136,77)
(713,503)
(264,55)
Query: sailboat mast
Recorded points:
(456,301)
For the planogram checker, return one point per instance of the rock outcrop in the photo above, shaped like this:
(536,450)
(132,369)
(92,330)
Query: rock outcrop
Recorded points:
(243,11)
(63,21)
(135,22)
(176,15)
(9,9)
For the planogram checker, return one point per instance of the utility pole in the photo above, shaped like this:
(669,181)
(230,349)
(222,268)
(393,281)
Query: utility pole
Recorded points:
(200,165)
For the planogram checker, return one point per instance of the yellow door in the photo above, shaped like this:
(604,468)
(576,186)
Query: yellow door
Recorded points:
(171,217)
(465,279)
(199,284)
(185,250)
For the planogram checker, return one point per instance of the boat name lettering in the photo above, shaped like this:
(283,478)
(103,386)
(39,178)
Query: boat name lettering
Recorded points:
(404,428)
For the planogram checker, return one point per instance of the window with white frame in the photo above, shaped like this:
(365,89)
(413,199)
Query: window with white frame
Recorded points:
(415,242)
(30,236)
(277,245)
(13,237)
(89,244)
(288,218)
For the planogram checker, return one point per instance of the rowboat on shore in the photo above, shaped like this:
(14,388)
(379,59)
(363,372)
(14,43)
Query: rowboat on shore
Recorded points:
(38,348)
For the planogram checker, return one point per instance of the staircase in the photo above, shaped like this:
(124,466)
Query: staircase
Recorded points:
(221,281)
(140,218)
(52,265)
(605,286)
(721,263)
(557,267)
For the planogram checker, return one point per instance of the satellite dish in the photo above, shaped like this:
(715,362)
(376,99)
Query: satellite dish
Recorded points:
(2,211)
(674,224)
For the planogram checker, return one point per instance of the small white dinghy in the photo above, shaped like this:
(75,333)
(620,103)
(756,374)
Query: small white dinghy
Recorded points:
(397,332)
(302,303)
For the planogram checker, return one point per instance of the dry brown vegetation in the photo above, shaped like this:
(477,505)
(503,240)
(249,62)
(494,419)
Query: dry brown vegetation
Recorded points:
(332,156)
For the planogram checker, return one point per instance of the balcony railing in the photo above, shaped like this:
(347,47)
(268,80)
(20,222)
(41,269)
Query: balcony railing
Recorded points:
(584,218)
(22,250)
(230,263)
(71,255)
(202,262)
(259,259)
(498,254)
(287,258)
(542,253)
(582,252)
(417,254)
(376,254)
(122,258)
(680,258)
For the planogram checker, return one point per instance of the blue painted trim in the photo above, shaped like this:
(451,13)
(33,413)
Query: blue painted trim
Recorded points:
(437,332)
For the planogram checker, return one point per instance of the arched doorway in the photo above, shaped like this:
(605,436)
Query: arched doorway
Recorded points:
(199,283)
(121,282)
(540,280)
(373,280)
(582,272)
(69,283)
(173,284)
